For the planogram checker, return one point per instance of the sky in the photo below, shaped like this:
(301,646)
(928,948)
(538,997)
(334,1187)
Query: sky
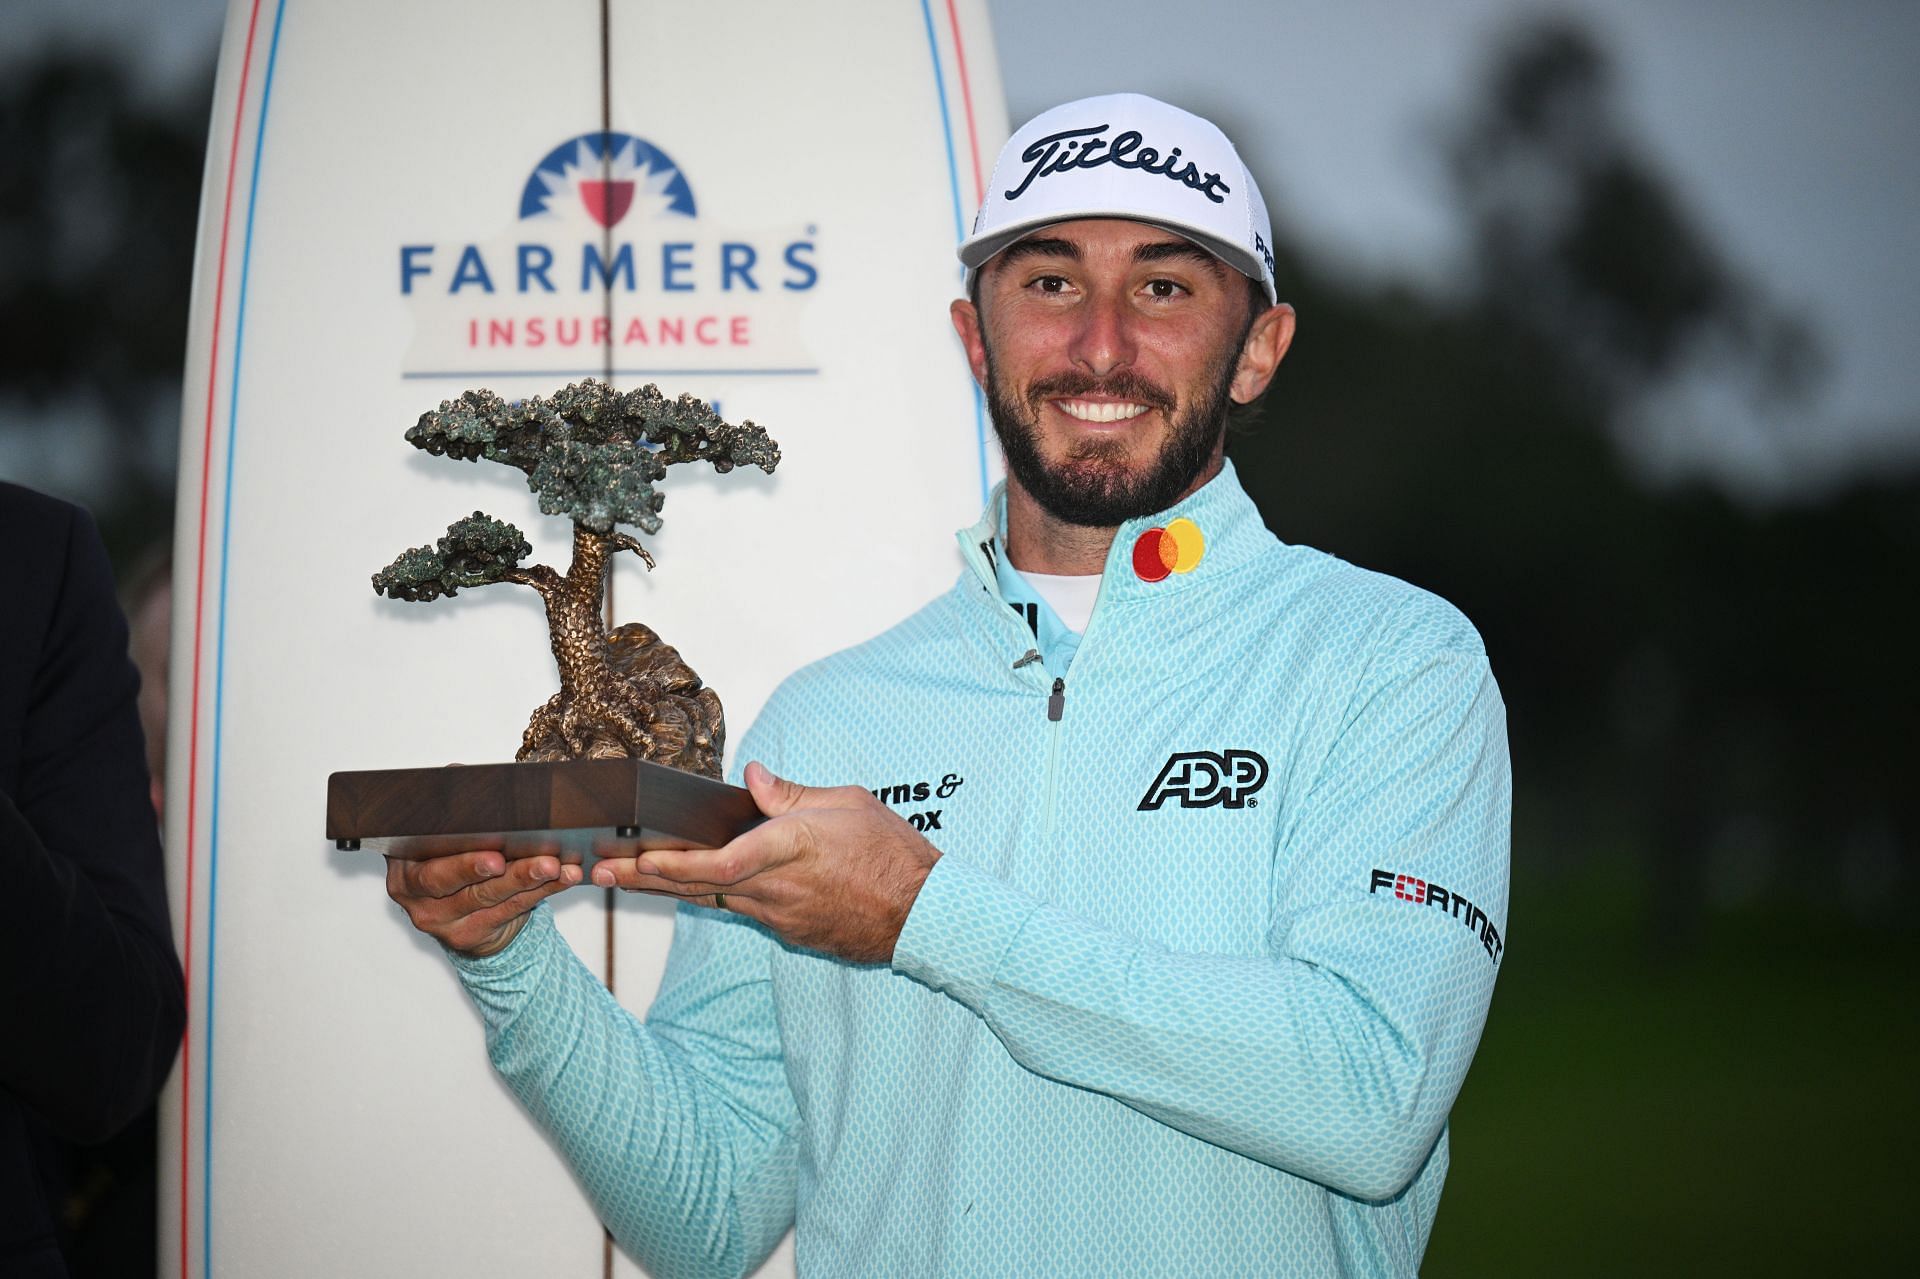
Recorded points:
(1786,126)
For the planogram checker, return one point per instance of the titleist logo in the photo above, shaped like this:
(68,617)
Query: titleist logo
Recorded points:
(1085,149)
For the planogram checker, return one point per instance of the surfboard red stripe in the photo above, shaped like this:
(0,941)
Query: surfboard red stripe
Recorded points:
(966,98)
(199,615)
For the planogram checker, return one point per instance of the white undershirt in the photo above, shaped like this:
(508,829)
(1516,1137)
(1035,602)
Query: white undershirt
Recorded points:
(1070,598)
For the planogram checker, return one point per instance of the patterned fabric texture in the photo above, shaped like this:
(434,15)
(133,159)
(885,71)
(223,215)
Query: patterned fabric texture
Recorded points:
(1190,992)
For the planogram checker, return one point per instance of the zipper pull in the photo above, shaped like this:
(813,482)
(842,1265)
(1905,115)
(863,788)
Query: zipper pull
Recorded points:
(1033,655)
(1057,703)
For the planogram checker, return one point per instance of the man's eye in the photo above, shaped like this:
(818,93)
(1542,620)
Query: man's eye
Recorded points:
(1051,283)
(1163,289)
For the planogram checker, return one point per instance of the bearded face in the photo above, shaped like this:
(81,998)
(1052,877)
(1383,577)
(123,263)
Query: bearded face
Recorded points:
(1110,352)
(1094,481)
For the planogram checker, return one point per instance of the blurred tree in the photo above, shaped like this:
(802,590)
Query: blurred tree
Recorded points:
(1686,676)
(1578,239)
(99,189)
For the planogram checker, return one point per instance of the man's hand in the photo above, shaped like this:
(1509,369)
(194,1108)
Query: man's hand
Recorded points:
(475,903)
(832,870)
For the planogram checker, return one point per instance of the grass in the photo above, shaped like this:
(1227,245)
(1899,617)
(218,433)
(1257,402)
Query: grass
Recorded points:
(1748,1109)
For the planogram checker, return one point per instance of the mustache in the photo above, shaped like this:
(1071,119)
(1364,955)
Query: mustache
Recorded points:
(1125,385)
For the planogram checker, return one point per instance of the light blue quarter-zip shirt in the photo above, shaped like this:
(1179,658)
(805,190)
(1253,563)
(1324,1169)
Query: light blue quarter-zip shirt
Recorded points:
(1190,991)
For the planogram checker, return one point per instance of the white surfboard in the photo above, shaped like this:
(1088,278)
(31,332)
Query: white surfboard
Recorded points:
(405,199)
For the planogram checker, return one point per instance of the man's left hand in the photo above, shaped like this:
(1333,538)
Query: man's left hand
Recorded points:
(831,870)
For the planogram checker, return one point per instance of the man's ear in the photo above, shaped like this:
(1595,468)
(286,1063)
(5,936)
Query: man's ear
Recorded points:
(966,322)
(1266,345)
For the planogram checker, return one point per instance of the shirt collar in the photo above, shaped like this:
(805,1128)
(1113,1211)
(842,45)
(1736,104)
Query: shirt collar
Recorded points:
(1056,642)
(1206,535)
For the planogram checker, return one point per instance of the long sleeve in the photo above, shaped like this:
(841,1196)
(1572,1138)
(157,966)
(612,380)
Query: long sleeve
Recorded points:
(682,1128)
(1337,1054)
(88,974)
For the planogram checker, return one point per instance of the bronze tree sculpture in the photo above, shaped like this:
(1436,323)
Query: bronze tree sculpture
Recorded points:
(591,454)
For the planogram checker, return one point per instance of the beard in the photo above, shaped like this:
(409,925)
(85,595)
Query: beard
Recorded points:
(1093,486)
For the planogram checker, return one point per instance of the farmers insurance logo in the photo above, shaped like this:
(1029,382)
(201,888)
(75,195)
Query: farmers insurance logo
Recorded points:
(608,214)
(572,170)
(1202,779)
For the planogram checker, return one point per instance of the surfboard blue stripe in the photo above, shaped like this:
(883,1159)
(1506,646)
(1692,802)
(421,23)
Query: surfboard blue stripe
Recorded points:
(959,224)
(220,653)
(946,123)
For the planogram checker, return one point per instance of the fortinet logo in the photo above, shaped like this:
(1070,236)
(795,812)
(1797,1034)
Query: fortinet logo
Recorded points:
(1203,779)
(1408,888)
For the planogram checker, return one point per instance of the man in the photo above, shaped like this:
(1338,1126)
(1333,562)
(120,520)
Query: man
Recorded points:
(1160,921)
(89,981)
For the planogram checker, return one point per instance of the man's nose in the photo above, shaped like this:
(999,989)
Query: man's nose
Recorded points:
(1104,340)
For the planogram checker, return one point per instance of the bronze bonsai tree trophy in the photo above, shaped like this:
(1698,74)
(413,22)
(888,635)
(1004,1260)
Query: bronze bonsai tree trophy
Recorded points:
(592,454)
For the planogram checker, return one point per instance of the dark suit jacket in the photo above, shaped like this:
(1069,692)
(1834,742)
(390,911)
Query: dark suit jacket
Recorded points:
(92,1004)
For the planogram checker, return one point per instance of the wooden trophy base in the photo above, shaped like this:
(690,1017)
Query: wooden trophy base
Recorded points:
(566,808)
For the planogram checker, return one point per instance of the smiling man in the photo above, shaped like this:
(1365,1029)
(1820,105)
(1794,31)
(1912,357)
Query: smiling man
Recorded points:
(1133,908)
(1116,350)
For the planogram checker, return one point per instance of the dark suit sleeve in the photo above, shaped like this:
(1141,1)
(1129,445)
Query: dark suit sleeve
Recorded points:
(89,980)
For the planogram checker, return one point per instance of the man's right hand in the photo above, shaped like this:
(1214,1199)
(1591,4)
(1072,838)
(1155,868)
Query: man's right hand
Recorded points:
(475,903)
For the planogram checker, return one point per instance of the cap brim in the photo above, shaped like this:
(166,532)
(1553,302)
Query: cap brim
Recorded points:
(976,252)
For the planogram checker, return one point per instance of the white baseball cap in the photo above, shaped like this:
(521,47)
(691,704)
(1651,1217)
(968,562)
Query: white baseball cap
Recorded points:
(1128,156)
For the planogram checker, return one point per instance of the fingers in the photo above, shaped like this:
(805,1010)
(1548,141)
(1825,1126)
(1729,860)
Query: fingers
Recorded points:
(699,875)
(442,876)
(774,795)
(713,869)
(475,902)
(745,899)
(634,882)
(489,928)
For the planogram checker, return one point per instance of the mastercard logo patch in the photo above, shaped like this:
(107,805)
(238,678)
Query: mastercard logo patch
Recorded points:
(1177,548)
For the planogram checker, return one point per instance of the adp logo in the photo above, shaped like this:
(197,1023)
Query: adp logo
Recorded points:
(1203,779)
(610,255)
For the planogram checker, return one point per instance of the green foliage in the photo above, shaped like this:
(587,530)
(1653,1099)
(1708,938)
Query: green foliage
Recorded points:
(476,551)
(686,429)
(482,425)
(481,546)
(600,485)
(592,453)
